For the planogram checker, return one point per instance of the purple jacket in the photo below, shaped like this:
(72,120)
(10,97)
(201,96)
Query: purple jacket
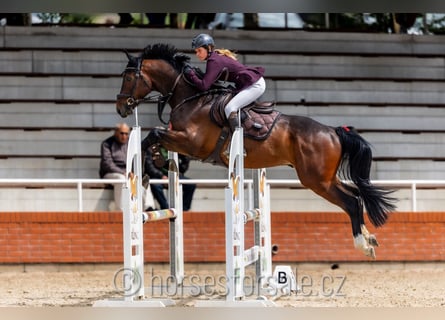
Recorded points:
(243,76)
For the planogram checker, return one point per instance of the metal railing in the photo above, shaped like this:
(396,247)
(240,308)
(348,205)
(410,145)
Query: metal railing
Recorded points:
(414,185)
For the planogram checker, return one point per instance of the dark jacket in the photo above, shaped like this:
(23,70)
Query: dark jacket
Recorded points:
(113,157)
(243,76)
(157,173)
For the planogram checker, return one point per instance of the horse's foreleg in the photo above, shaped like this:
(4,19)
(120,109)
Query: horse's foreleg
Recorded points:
(172,140)
(153,137)
(152,142)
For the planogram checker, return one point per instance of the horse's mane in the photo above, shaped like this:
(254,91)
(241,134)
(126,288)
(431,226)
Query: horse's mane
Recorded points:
(165,52)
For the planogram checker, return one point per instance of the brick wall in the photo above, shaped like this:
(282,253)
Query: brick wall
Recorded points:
(96,237)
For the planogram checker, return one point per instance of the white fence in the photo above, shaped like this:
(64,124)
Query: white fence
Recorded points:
(413,185)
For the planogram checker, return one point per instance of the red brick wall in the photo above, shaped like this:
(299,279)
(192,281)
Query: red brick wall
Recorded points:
(96,237)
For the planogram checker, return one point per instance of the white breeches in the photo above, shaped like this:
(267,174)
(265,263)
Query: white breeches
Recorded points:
(246,96)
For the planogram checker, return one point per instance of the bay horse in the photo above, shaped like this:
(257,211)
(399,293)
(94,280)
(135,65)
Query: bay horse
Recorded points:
(318,153)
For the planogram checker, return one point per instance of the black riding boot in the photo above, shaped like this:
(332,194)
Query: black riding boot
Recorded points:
(233,121)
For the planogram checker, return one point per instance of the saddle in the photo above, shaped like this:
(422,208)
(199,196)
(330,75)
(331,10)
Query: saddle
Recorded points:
(257,119)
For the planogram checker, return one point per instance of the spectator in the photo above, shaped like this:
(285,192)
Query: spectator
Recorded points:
(199,20)
(125,18)
(157,20)
(113,162)
(162,173)
(405,21)
(15,19)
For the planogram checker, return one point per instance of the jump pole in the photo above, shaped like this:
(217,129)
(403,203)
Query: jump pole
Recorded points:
(133,233)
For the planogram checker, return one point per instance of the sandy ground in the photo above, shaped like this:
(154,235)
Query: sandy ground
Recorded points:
(341,285)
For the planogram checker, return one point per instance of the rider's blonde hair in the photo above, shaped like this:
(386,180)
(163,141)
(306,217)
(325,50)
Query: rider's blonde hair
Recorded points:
(227,53)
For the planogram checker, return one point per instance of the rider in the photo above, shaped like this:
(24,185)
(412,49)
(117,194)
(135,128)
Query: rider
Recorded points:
(249,81)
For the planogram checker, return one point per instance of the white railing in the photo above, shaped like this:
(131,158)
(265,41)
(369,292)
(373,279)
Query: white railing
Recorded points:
(414,185)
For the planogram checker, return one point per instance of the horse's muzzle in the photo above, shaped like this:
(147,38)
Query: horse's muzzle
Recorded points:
(125,107)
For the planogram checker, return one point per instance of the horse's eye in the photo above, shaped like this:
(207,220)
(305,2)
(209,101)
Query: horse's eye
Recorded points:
(128,78)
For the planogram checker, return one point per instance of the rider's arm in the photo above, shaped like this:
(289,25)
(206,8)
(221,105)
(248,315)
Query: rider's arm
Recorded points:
(213,70)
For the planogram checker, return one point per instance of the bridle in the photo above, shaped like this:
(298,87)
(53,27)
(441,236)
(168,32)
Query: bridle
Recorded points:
(131,100)
(161,100)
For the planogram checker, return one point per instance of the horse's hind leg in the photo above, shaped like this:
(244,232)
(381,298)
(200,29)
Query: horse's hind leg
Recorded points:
(353,206)
(344,197)
(370,238)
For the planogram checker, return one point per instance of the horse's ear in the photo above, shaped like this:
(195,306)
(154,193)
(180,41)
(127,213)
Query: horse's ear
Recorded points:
(129,56)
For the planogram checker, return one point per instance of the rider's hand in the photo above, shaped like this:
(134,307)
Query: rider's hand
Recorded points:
(187,70)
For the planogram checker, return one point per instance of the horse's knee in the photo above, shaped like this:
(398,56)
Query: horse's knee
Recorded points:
(152,138)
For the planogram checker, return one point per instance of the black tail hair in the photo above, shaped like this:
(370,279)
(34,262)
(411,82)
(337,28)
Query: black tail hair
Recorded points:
(356,166)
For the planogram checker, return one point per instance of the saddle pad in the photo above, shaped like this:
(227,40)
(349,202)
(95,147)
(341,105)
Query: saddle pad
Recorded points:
(258,126)
(257,121)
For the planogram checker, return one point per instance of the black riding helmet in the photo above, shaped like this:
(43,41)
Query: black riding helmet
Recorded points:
(203,40)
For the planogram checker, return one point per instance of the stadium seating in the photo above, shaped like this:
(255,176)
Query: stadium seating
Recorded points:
(59,87)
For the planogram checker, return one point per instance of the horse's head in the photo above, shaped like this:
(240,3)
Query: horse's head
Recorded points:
(158,68)
(134,87)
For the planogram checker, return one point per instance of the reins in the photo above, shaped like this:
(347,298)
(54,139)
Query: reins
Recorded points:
(162,100)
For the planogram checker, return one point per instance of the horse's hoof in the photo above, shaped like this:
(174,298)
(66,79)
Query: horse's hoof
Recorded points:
(372,240)
(371,252)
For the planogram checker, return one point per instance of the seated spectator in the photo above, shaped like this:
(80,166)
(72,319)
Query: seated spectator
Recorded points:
(113,162)
(162,173)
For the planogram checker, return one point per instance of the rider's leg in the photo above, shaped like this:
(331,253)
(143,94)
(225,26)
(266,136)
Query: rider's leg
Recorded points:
(242,99)
(233,121)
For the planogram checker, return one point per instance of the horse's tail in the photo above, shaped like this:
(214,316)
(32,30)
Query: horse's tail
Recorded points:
(356,166)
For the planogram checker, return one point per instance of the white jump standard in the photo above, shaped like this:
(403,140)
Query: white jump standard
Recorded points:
(133,219)
(237,257)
